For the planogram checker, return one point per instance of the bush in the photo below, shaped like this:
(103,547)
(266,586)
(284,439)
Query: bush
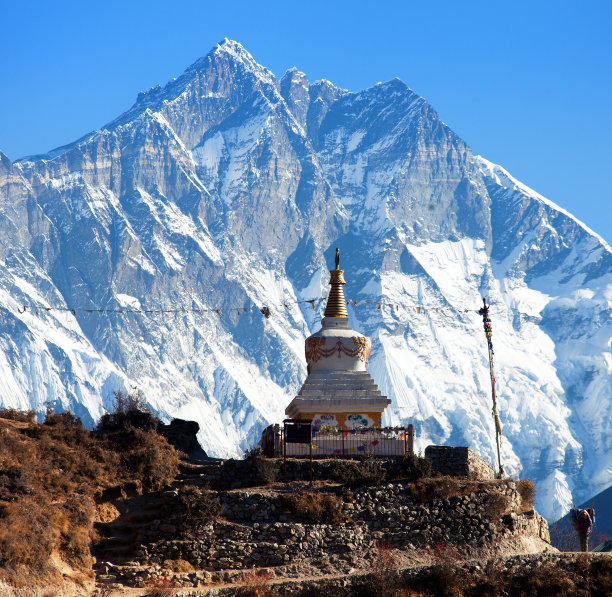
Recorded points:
(256,584)
(198,505)
(527,491)
(385,580)
(131,430)
(161,587)
(130,412)
(548,579)
(441,488)
(413,467)
(267,469)
(445,578)
(496,504)
(313,508)
(149,458)
(178,565)
(12,414)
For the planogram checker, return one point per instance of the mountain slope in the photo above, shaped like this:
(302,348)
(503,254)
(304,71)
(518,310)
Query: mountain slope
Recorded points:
(227,190)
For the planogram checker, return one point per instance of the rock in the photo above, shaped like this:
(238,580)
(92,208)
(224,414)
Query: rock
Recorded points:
(183,436)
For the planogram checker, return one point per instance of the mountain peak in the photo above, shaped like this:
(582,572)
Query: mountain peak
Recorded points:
(230,46)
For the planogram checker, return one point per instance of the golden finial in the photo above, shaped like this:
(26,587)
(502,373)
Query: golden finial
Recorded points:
(336,303)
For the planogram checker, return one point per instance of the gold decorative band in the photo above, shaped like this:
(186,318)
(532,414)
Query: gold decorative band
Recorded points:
(336,303)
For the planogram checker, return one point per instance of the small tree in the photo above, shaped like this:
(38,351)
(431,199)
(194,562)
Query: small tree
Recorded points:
(130,412)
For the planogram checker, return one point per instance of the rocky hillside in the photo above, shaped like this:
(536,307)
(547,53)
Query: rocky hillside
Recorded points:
(242,526)
(157,240)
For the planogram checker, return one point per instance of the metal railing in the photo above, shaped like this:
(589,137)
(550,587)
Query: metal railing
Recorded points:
(302,440)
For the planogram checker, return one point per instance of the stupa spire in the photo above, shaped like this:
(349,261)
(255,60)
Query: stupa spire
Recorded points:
(336,303)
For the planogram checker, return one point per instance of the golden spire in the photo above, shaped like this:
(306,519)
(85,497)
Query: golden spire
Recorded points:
(336,303)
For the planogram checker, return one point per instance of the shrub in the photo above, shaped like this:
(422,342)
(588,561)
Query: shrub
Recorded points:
(548,579)
(385,579)
(161,587)
(65,419)
(313,508)
(49,475)
(198,505)
(445,578)
(601,575)
(496,504)
(413,467)
(131,430)
(425,490)
(130,412)
(527,491)
(12,414)
(267,469)
(256,584)
(178,565)
(149,458)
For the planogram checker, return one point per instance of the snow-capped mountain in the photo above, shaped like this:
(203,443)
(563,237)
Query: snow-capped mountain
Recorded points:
(227,190)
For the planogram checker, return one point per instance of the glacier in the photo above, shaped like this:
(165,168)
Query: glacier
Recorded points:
(227,190)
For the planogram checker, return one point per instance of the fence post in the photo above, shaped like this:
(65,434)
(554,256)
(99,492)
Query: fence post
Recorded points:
(311,454)
(284,439)
(410,439)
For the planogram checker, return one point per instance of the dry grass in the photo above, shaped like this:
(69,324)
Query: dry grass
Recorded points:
(12,414)
(496,504)
(198,505)
(267,469)
(313,508)
(50,476)
(527,491)
(256,584)
(161,587)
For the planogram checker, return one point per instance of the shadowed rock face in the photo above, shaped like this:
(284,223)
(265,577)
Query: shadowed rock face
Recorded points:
(229,189)
(183,435)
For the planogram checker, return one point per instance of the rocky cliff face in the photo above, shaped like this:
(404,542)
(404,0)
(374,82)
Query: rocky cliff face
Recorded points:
(227,190)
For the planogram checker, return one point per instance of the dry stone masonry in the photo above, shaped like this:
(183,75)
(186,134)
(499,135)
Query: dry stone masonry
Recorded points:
(255,529)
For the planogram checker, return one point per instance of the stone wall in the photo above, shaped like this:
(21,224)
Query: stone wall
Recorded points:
(457,461)
(445,460)
(255,531)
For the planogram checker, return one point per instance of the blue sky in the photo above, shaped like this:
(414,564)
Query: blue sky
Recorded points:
(527,84)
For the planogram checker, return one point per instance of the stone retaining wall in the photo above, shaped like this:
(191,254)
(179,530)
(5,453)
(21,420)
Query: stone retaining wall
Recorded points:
(255,531)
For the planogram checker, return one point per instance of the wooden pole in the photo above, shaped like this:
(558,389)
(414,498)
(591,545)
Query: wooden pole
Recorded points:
(488,330)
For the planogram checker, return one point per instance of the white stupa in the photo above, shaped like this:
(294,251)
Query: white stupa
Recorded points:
(339,391)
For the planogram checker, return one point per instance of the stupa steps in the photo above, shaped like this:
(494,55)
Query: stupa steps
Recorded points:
(329,374)
(363,381)
(339,393)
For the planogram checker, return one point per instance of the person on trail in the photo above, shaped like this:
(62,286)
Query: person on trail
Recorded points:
(584,524)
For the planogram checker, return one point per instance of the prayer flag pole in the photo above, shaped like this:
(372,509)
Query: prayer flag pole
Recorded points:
(488,330)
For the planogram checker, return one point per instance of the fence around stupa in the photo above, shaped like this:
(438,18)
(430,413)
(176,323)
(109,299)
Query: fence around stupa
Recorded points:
(346,443)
